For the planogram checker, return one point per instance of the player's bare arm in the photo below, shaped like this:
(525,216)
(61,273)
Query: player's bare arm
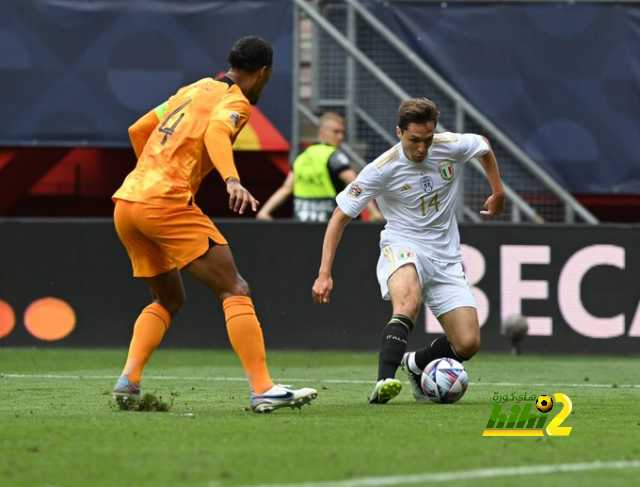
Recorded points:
(239,197)
(321,291)
(277,199)
(494,205)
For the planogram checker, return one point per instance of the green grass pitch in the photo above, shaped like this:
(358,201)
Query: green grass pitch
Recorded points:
(59,426)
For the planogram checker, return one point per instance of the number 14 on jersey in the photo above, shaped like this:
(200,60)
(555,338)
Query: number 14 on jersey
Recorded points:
(433,202)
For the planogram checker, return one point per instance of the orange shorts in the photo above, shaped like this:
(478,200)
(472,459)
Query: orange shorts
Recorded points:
(161,238)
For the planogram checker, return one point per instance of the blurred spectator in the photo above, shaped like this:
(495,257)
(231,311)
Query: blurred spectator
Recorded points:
(318,174)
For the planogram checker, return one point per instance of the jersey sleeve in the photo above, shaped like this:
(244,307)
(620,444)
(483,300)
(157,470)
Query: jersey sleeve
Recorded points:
(472,145)
(338,162)
(227,120)
(357,195)
(140,131)
(232,112)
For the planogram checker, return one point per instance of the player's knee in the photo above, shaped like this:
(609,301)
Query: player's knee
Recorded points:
(409,307)
(237,288)
(468,345)
(241,287)
(174,301)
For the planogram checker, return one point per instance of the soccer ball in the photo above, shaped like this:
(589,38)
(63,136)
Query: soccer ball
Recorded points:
(444,380)
(544,403)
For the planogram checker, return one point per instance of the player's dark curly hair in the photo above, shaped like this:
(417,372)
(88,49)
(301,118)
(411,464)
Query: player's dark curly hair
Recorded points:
(417,110)
(250,53)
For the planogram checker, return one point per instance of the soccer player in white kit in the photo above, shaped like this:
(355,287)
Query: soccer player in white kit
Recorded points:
(415,184)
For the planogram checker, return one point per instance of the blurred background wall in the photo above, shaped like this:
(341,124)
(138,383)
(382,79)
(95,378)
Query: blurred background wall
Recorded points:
(554,85)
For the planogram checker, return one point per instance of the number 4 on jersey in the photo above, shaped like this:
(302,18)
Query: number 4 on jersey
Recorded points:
(167,131)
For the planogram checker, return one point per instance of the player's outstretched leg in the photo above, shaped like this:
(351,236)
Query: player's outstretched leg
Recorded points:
(246,338)
(281,397)
(245,335)
(217,270)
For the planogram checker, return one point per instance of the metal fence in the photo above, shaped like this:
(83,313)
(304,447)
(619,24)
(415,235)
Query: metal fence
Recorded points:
(347,63)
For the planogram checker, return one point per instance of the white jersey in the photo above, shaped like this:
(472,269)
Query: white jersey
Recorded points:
(418,200)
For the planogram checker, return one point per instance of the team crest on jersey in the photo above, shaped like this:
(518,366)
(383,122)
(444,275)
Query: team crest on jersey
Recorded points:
(404,254)
(446,169)
(235,119)
(354,190)
(427,184)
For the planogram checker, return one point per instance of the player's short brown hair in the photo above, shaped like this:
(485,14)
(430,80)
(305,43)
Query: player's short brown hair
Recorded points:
(250,53)
(417,110)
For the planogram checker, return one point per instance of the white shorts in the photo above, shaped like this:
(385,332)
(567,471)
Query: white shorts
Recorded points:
(443,285)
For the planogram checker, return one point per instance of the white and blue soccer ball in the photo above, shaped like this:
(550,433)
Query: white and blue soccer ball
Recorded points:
(444,381)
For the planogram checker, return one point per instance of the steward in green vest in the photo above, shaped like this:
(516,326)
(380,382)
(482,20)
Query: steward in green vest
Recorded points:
(317,182)
(318,174)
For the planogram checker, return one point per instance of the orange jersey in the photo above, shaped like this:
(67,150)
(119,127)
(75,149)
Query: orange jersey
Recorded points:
(194,132)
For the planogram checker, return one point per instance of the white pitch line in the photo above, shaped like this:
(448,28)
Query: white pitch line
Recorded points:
(328,381)
(110,377)
(464,475)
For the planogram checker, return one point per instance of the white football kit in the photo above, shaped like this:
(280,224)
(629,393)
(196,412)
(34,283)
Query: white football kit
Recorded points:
(418,200)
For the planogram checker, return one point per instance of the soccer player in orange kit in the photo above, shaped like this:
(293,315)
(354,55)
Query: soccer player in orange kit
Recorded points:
(164,231)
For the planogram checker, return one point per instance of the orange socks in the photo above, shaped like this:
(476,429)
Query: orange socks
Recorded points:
(246,338)
(244,332)
(148,331)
